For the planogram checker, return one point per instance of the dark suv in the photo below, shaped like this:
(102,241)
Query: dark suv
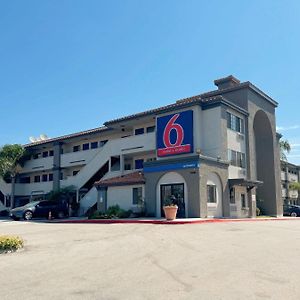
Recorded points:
(41,209)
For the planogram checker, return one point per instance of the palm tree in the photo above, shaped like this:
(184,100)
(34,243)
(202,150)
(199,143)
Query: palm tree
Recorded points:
(11,161)
(285,147)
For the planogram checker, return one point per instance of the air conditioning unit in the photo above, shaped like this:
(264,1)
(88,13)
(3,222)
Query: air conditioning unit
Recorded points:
(242,172)
(241,137)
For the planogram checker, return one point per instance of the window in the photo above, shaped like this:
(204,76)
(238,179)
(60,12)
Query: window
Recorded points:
(137,195)
(237,159)
(50,177)
(102,143)
(61,176)
(139,131)
(46,203)
(241,160)
(25,179)
(51,153)
(127,166)
(45,154)
(232,196)
(76,148)
(139,163)
(75,172)
(211,194)
(150,129)
(115,163)
(94,145)
(36,155)
(243,201)
(86,146)
(37,178)
(44,177)
(235,123)
(232,157)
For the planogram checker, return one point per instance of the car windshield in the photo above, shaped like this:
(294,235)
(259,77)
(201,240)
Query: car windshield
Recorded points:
(33,203)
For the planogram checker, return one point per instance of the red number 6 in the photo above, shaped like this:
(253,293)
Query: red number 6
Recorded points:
(171,125)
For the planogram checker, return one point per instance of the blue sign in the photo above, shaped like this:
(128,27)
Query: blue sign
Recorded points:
(175,134)
(170,167)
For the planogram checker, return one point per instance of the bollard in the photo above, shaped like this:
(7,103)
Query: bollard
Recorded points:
(49,216)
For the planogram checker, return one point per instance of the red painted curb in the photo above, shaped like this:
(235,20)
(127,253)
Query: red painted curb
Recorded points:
(165,222)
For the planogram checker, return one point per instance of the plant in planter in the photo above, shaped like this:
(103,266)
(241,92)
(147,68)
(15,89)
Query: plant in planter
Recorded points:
(170,208)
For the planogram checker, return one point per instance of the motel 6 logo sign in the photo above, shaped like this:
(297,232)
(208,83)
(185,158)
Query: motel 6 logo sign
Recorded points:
(175,134)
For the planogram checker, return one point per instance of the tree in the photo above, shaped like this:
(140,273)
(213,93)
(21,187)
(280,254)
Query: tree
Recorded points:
(295,186)
(11,160)
(285,147)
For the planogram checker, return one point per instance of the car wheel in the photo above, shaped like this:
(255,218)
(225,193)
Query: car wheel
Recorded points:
(61,215)
(27,215)
(294,214)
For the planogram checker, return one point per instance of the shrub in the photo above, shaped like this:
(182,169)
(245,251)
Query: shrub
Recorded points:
(10,243)
(113,212)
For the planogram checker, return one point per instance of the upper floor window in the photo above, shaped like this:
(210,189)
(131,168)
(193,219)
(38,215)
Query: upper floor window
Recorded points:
(237,159)
(45,154)
(86,146)
(37,178)
(139,131)
(102,143)
(36,155)
(51,153)
(139,163)
(94,145)
(150,129)
(51,177)
(25,179)
(235,123)
(76,148)
(44,177)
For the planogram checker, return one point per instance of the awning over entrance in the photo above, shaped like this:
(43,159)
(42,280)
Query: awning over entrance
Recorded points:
(250,184)
(128,179)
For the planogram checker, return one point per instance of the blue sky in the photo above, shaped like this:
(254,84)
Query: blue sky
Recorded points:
(66,66)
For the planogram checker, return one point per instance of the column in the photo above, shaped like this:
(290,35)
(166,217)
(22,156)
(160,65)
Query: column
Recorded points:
(56,165)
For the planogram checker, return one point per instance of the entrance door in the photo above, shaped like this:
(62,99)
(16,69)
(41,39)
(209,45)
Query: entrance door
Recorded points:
(175,192)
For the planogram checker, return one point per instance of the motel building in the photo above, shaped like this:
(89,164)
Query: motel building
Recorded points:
(216,153)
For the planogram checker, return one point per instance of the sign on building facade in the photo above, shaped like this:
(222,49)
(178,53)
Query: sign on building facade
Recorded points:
(175,134)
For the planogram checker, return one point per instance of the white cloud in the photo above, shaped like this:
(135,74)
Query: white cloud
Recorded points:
(286,128)
(295,145)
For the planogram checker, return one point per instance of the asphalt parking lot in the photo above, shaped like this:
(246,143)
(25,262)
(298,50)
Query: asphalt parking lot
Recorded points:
(257,260)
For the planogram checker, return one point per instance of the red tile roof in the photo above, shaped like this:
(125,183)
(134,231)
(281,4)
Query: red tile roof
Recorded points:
(128,179)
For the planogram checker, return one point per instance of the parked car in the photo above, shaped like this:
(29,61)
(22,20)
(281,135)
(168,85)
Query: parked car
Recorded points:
(291,210)
(40,209)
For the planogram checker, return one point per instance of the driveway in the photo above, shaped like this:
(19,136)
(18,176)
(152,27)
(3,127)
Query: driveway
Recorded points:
(257,260)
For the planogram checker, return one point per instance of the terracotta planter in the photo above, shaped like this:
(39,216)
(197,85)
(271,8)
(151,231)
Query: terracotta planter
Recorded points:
(170,212)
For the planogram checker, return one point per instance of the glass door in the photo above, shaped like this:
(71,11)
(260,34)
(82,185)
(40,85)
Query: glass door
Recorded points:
(176,193)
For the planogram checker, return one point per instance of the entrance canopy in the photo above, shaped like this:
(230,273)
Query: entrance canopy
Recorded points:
(250,184)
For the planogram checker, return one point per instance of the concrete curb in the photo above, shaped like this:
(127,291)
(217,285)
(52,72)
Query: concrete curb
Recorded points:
(165,222)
